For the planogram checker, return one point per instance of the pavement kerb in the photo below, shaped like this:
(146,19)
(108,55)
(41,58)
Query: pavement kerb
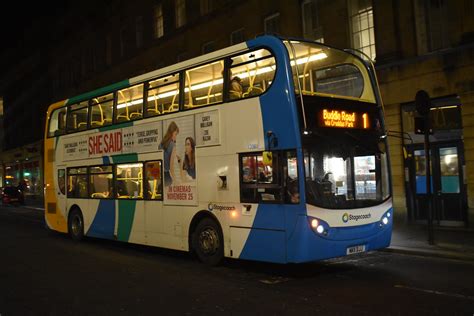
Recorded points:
(431,253)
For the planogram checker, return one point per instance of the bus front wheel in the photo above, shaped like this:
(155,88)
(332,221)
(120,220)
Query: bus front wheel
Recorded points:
(207,242)
(76,225)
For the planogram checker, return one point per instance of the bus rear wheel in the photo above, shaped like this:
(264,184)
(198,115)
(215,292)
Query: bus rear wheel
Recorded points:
(207,242)
(76,225)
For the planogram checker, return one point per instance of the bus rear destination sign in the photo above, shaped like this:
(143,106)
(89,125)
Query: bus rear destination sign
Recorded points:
(343,119)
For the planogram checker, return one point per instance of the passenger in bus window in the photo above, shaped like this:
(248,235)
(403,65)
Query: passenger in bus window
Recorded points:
(293,192)
(235,88)
(189,163)
(168,144)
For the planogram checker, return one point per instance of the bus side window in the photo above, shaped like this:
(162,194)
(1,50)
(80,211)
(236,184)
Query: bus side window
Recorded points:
(129,181)
(254,71)
(153,184)
(62,181)
(260,177)
(291,178)
(77,117)
(57,123)
(129,104)
(77,183)
(100,182)
(204,85)
(163,95)
(101,111)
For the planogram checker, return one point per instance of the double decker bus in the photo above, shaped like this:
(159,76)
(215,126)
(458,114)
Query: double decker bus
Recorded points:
(270,150)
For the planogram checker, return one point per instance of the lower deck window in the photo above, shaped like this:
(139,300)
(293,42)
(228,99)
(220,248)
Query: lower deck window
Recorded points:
(270,177)
(100,182)
(129,181)
(77,183)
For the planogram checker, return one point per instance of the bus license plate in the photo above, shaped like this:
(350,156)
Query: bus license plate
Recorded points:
(355,249)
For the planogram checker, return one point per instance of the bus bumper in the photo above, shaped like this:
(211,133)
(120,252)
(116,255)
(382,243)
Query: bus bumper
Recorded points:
(306,245)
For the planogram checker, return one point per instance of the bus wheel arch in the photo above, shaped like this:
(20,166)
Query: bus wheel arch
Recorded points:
(206,239)
(75,223)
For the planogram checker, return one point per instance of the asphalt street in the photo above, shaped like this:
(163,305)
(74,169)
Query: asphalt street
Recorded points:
(44,273)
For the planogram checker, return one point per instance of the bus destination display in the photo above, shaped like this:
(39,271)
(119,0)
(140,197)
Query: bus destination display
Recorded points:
(343,119)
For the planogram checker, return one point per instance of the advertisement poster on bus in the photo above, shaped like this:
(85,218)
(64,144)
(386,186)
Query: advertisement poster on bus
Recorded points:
(179,163)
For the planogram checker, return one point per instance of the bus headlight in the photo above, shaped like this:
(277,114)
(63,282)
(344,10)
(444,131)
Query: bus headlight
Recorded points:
(318,226)
(385,220)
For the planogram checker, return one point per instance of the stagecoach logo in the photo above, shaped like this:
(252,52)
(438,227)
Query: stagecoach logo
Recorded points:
(349,217)
(345,217)
(217,207)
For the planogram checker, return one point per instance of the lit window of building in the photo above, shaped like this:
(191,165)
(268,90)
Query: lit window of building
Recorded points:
(361,18)
(431,23)
(180,12)
(158,19)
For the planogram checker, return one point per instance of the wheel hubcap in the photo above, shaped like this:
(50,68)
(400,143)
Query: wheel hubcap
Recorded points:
(209,241)
(76,225)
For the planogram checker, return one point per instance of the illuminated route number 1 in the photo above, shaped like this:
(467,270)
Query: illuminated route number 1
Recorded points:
(366,120)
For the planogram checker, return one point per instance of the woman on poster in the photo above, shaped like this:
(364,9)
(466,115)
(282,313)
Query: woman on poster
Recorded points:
(168,144)
(189,162)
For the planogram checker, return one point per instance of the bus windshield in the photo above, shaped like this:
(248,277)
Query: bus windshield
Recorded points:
(351,174)
(326,71)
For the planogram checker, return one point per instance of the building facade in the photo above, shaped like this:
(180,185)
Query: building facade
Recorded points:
(416,45)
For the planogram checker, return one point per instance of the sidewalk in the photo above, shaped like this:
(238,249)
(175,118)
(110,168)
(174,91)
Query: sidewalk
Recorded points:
(449,242)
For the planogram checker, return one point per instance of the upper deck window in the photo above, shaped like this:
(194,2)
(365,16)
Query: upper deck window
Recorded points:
(253,71)
(204,85)
(129,104)
(102,110)
(322,70)
(77,117)
(57,122)
(163,95)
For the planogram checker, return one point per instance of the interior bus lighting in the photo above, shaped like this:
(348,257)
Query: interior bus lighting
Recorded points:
(308,59)
(135,165)
(207,84)
(134,102)
(210,96)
